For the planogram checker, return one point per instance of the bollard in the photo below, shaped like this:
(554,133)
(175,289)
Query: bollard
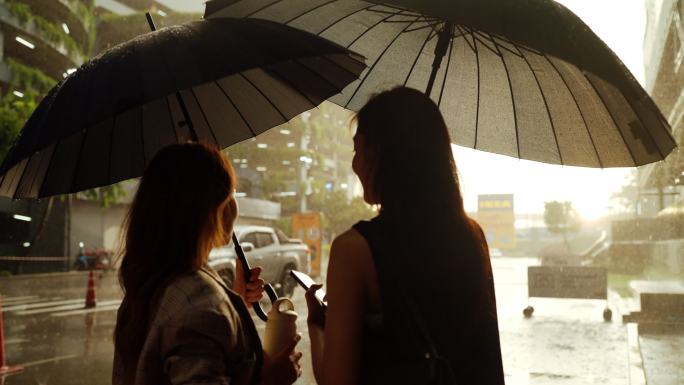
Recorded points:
(91,299)
(4,368)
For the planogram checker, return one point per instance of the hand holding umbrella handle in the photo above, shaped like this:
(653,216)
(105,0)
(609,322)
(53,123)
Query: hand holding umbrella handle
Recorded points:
(248,273)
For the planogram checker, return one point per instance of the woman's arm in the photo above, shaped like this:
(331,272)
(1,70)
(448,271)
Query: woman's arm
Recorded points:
(336,350)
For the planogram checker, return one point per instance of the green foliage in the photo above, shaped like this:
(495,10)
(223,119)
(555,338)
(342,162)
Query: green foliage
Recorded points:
(561,218)
(50,31)
(15,112)
(339,213)
(29,79)
(84,11)
(107,195)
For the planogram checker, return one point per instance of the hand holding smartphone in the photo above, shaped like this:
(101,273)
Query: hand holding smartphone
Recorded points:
(305,281)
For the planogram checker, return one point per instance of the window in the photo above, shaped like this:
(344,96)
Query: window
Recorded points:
(679,39)
(264,239)
(282,238)
(251,238)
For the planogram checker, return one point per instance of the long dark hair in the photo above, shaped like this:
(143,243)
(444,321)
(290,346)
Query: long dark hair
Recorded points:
(436,246)
(177,216)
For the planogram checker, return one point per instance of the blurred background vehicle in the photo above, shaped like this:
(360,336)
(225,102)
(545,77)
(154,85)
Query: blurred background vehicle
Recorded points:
(268,248)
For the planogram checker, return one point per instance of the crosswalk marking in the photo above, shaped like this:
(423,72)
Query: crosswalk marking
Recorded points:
(85,311)
(6,301)
(55,306)
(41,304)
(65,307)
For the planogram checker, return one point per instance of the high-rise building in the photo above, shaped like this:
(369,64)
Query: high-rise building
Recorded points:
(661,183)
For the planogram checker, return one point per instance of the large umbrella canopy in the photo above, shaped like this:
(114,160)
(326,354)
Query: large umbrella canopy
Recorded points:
(524,78)
(218,81)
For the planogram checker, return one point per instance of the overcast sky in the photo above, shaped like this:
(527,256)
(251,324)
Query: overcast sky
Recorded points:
(620,23)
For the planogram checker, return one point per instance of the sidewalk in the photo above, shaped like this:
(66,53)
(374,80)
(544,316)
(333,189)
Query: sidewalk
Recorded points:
(565,342)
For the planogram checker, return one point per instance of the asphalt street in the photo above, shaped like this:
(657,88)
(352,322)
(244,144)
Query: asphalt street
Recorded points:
(48,331)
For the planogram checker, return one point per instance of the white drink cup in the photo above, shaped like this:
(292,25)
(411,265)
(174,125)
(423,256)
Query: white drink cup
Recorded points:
(281,328)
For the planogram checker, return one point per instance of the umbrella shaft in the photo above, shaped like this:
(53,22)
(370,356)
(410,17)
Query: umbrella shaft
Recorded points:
(440,51)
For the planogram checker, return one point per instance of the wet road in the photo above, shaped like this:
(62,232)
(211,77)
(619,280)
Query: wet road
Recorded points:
(565,342)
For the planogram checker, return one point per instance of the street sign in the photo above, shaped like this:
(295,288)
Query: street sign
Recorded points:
(307,227)
(496,215)
(567,282)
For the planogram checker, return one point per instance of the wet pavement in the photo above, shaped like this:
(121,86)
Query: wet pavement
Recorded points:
(565,342)
(663,356)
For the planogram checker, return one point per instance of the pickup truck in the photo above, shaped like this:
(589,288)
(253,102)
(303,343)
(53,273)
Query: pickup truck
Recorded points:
(266,247)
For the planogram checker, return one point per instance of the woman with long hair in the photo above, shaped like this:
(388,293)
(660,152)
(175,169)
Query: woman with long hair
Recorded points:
(410,293)
(178,322)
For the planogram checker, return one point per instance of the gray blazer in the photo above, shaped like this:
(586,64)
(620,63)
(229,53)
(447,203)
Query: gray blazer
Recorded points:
(202,333)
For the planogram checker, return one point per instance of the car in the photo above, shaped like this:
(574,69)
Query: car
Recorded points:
(268,248)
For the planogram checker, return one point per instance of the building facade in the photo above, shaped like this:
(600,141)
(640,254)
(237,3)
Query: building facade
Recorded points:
(661,183)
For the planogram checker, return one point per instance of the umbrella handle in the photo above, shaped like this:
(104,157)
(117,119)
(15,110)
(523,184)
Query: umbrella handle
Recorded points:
(248,274)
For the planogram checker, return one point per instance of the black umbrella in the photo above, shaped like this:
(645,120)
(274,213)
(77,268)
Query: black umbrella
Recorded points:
(524,78)
(219,81)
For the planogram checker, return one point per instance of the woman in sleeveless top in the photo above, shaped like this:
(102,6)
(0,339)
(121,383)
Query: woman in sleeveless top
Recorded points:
(178,322)
(410,293)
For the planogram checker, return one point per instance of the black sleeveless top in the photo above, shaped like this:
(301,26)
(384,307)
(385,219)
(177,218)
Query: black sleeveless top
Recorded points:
(392,348)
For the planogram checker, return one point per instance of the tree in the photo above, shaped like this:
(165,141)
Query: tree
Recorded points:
(107,195)
(339,213)
(561,218)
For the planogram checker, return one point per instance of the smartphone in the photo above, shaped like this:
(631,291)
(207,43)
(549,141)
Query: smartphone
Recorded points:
(305,281)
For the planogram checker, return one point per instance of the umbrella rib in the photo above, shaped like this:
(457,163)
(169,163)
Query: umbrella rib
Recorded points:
(307,68)
(339,66)
(14,196)
(464,32)
(173,121)
(655,143)
(344,17)
(49,167)
(617,127)
(373,26)
(477,109)
(432,25)
(309,11)
(493,40)
(21,178)
(262,8)
(111,144)
(426,20)
(265,97)
(393,7)
(376,62)
(510,89)
(142,135)
(78,158)
(418,55)
(586,126)
(295,87)
(446,72)
(204,115)
(546,106)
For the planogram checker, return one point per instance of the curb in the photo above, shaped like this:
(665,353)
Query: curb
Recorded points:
(636,361)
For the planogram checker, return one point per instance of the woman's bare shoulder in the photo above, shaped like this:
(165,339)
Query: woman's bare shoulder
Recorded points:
(350,242)
(350,255)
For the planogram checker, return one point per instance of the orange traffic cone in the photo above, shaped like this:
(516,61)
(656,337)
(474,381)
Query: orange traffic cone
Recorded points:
(91,300)
(4,368)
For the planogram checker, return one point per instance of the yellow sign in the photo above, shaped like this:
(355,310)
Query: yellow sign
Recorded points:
(496,215)
(307,227)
